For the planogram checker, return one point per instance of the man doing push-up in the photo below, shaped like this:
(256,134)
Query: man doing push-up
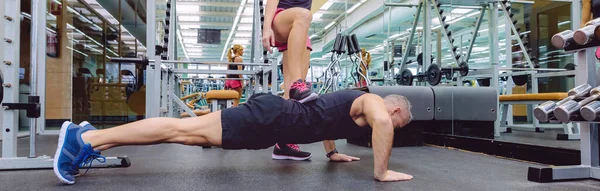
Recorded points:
(260,123)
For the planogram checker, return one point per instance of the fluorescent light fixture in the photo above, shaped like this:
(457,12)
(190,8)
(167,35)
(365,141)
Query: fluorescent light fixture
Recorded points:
(237,41)
(190,40)
(317,15)
(354,7)
(193,34)
(564,23)
(189,18)
(185,27)
(188,8)
(77,51)
(235,23)
(194,49)
(461,11)
(244,28)
(246,20)
(326,5)
(313,36)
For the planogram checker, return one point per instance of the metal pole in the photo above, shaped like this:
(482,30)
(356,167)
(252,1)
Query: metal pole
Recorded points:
(427,34)
(575,21)
(11,46)
(445,31)
(38,22)
(518,37)
(151,103)
(477,26)
(508,61)
(172,30)
(411,37)
(493,47)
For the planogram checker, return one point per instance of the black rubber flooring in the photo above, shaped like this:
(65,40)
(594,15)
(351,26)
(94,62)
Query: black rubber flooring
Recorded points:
(176,167)
(546,138)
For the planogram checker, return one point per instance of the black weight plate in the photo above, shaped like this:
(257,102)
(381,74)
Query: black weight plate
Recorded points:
(420,59)
(405,78)
(464,69)
(570,66)
(434,75)
(484,82)
(520,80)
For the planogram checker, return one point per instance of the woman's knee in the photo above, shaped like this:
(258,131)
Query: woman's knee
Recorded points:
(303,18)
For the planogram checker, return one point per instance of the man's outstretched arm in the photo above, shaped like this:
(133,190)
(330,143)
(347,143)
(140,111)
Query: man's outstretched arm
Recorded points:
(330,146)
(383,135)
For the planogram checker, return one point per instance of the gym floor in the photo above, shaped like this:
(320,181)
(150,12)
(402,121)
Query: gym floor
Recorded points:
(177,167)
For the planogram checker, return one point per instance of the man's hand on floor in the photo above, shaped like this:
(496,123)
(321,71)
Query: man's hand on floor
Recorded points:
(337,157)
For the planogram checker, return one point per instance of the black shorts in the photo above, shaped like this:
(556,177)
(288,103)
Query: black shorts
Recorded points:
(251,125)
(267,119)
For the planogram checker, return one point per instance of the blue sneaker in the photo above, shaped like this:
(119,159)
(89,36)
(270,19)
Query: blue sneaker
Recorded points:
(72,153)
(88,126)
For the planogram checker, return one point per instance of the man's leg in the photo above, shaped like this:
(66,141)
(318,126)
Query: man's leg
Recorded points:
(291,26)
(78,146)
(197,131)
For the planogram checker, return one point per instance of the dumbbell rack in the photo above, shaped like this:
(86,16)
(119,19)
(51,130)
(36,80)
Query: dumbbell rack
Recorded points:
(590,162)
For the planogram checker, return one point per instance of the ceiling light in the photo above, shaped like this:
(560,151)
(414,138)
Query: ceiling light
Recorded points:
(246,20)
(189,33)
(461,11)
(326,5)
(184,27)
(244,28)
(317,15)
(189,18)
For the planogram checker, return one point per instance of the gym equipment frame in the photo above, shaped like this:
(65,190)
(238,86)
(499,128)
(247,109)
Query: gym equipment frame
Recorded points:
(34,107)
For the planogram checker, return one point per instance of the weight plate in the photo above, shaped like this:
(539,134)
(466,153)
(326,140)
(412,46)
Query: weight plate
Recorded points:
(570,66)
(434,75)
(464,68)
(405,78)
(520,80)
(420,59)
(484,82)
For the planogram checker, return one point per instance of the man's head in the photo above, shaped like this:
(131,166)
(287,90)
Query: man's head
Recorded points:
(399,109)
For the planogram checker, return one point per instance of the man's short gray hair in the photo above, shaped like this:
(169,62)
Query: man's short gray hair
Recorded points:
(400,101)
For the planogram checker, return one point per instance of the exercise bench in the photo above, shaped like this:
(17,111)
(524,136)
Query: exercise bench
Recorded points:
(221,98)
(571,132)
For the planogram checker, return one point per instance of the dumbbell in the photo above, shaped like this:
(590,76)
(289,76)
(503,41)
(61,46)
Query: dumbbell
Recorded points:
(563,39)
(585,35)
(433,76)
(571,109)
(463,69)
(544,112)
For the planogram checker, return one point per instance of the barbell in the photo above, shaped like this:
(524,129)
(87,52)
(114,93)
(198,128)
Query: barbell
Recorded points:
(463,69)
(433,75)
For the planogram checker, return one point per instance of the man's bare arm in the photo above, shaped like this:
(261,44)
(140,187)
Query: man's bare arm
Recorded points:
(383,133)
(329,145)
